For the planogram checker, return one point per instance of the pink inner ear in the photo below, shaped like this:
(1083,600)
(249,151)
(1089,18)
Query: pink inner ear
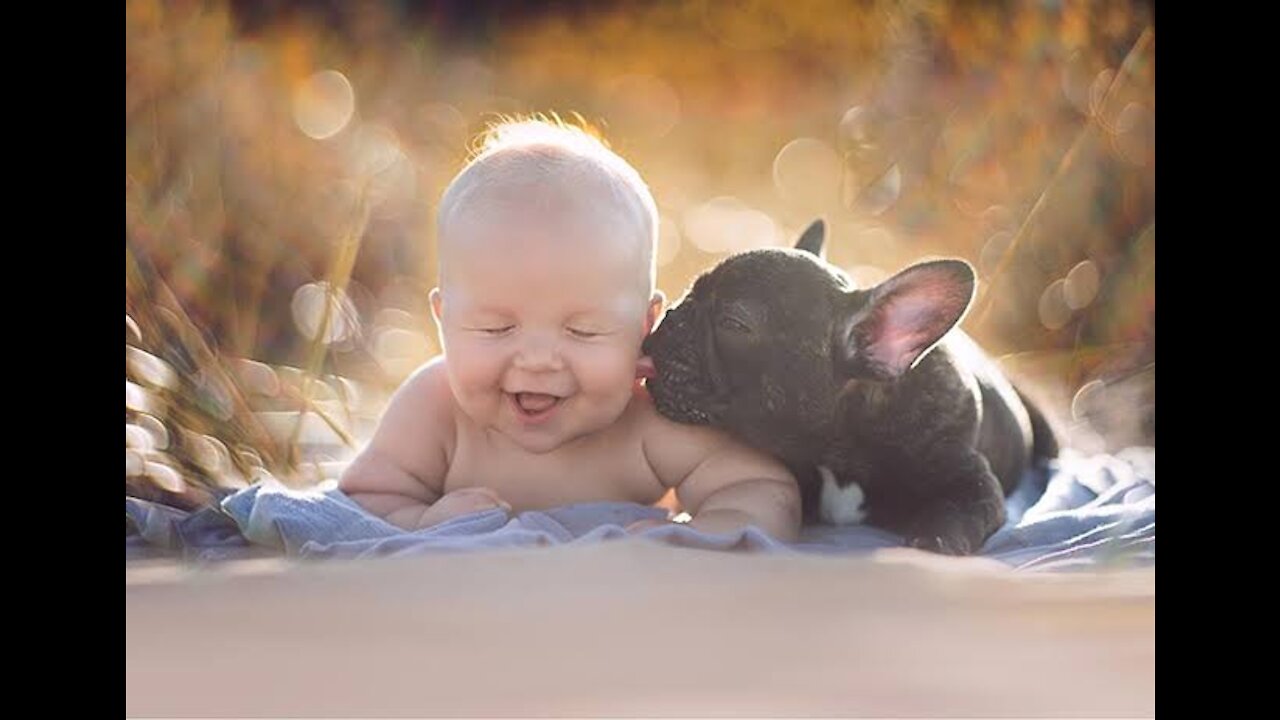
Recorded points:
(912,317)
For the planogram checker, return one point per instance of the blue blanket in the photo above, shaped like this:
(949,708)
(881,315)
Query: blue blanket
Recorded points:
(1077,513)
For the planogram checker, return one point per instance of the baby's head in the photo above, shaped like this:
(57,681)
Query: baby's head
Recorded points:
(546,283)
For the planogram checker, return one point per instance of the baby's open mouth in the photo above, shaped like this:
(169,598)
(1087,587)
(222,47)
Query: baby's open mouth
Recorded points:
(535,404)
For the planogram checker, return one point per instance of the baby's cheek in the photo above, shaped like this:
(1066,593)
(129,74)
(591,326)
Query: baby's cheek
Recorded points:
(609,370)
(473,369)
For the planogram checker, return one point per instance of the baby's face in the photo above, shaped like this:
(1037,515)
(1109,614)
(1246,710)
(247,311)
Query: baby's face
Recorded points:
(541,320)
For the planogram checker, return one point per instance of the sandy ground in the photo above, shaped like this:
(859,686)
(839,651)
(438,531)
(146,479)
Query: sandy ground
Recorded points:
(634,628)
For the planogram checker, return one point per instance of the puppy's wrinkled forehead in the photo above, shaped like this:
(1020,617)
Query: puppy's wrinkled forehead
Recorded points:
(789,282)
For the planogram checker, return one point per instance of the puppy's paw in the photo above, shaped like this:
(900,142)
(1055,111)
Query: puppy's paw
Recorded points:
(941,544)
(947,532)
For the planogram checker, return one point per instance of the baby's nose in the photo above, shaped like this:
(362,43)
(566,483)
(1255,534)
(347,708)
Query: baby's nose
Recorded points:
(539,355)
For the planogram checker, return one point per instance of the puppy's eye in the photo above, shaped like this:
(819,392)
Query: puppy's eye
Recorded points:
(734,325)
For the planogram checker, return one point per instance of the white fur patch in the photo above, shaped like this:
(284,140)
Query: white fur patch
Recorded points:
(840,506)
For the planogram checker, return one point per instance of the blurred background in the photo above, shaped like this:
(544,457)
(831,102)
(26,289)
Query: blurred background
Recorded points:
(284,161)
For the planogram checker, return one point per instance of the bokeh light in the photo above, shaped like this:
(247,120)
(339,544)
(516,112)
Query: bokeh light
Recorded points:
(856,131)
(806,172)
(1088,394)
(1098,91)
(149,369)
(317,304)
(257,377)
(1054,311)
(137,438)
(157,433)
(162,473)
(323,104)
(878,195)
(993,250)
(400,351)
(375,156)
(1135,134)
(727,224)
(1081,285)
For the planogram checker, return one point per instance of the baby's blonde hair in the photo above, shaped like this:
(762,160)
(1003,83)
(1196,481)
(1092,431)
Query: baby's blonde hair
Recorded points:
(543,156)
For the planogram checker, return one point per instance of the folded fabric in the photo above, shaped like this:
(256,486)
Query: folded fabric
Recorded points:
(1078,512)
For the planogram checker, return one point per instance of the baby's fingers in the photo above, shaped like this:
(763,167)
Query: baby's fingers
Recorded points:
(481,496)
(475,500)
(463,502)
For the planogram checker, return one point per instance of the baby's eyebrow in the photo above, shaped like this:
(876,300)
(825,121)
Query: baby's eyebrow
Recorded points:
(617,312)
(594,310)
(488,310)
(619,307)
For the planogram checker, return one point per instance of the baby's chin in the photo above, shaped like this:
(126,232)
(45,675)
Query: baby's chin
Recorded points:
(542,443)
(540,440)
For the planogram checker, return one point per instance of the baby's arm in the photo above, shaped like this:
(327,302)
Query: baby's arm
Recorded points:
(399,476)
(723,484)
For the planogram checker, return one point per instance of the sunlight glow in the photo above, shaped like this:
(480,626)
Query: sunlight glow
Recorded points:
(323,104)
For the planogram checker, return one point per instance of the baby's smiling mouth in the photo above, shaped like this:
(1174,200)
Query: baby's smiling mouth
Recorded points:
(534,405)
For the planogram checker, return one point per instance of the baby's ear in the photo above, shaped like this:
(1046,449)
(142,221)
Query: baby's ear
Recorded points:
(656,303)
(435,304)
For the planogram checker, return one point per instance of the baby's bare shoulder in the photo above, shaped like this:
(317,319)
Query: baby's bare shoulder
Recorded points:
(654,424)
(410,451)
(421,412)
(675,449)
(428,389)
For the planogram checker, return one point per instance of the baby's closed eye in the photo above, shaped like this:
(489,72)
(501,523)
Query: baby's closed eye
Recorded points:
(493,330)
(587,333)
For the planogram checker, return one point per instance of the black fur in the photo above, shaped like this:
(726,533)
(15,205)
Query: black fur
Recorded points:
(878,385)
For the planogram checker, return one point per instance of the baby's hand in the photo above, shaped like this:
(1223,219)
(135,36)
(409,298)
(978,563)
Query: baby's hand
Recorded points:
(462,501)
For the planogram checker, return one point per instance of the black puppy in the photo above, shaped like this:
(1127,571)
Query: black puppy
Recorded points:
(881,407)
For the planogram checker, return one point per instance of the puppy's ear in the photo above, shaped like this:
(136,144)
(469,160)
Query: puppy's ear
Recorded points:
(887,329)
(811,239)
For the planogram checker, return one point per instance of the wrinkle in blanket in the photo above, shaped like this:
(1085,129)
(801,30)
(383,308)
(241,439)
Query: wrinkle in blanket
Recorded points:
(1078,512)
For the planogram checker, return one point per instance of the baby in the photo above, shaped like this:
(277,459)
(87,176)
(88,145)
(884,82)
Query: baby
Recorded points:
(546,290)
